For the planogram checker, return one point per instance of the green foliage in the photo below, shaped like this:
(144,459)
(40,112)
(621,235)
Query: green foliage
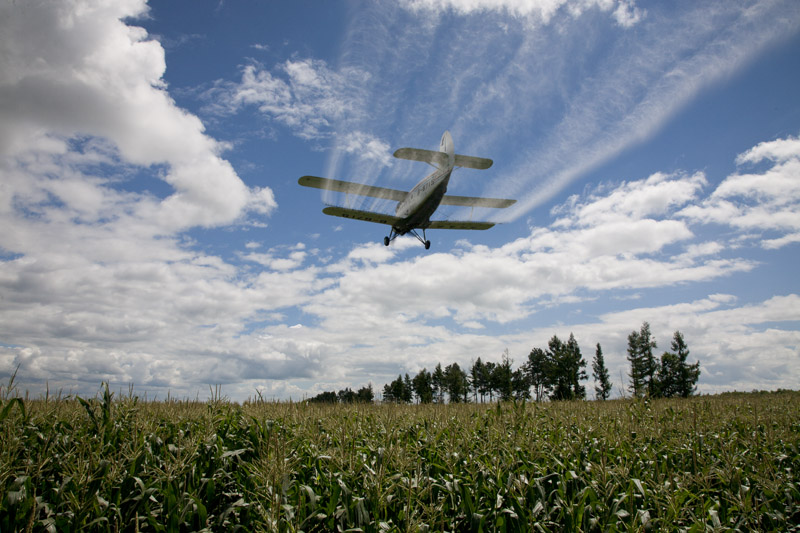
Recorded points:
(728,462)
(643,364)
(600,373)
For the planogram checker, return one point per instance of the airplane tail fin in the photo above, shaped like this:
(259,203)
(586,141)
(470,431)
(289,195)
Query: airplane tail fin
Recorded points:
(445,156)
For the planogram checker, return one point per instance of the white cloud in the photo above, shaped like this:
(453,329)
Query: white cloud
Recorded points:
(73,70)
(304,95)
(178,320)
(98,283)
(625,96)
(365,146)
(766,201)
(625,12)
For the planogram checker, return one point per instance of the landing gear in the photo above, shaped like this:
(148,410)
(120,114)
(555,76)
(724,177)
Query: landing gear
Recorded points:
(393,235)
(422,239)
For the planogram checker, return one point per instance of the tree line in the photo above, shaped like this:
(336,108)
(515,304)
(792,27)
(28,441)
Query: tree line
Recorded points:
(555,373)
(347,395)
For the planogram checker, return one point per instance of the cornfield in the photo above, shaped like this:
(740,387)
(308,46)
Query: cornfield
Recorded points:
(119,463)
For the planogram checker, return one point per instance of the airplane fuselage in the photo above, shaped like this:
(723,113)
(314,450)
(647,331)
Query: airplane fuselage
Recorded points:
(422,201)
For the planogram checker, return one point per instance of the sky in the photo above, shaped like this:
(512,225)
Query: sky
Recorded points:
(154,235)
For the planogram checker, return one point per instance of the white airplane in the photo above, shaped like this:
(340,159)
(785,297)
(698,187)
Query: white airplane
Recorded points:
(414,208)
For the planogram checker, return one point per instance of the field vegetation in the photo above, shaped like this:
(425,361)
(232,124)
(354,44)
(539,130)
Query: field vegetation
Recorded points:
(119,463)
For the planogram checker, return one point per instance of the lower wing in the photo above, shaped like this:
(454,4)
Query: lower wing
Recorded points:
(456,224)
(352,188)
(389,220)
(472,201)
(367,216)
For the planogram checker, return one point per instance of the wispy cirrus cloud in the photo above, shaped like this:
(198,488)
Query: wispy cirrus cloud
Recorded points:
(304,95)
(625,12)
(579,87)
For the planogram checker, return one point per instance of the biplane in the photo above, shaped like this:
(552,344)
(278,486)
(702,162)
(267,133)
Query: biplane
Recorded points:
(415,207)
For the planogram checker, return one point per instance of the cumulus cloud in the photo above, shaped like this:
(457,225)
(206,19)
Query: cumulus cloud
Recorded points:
(765,201)
(173,319)
(75,70)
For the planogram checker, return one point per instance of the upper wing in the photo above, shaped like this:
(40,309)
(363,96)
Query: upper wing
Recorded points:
(368,216)
(455,224)
(471,201)
(352,188)
(439,159)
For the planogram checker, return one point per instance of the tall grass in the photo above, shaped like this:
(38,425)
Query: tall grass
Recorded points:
(720,463)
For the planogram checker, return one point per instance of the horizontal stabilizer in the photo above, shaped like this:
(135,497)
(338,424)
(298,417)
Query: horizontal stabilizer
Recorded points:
(471,201)
(350,187)
(368,216)
(455,224)
(468,161)
(439,159)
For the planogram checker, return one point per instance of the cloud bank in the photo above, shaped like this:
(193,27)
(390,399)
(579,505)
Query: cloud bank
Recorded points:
(177,320)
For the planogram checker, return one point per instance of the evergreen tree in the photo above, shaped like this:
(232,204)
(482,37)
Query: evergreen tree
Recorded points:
(346,396)
(520,384)
(408,390)
(576,368)
(487,380)
(566,369)
(324,397)
(397,391)
(537,368)
(476,379)
(676,377)
(438,383)
(456,383)
(365,394)
(643,364)
(501,378)
(423,386)
(669,375)
(689,374)
(602,387)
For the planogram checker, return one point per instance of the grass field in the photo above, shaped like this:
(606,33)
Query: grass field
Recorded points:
(720,463)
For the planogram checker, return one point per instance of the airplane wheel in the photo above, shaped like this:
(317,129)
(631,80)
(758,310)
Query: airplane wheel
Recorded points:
(386,241)
(427,245)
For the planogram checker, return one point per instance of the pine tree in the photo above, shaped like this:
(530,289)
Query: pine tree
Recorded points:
(501,378)
(455,383)
(487,380)
(676,377)
(567,369)
(520,384)
(558,374)
(476,374)
(437,378)
(643,364)
(423,386)
(577,366)
(537,368)
(365,394)
(602,388)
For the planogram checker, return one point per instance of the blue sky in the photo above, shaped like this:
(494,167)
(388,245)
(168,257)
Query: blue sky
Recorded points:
(155,235)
